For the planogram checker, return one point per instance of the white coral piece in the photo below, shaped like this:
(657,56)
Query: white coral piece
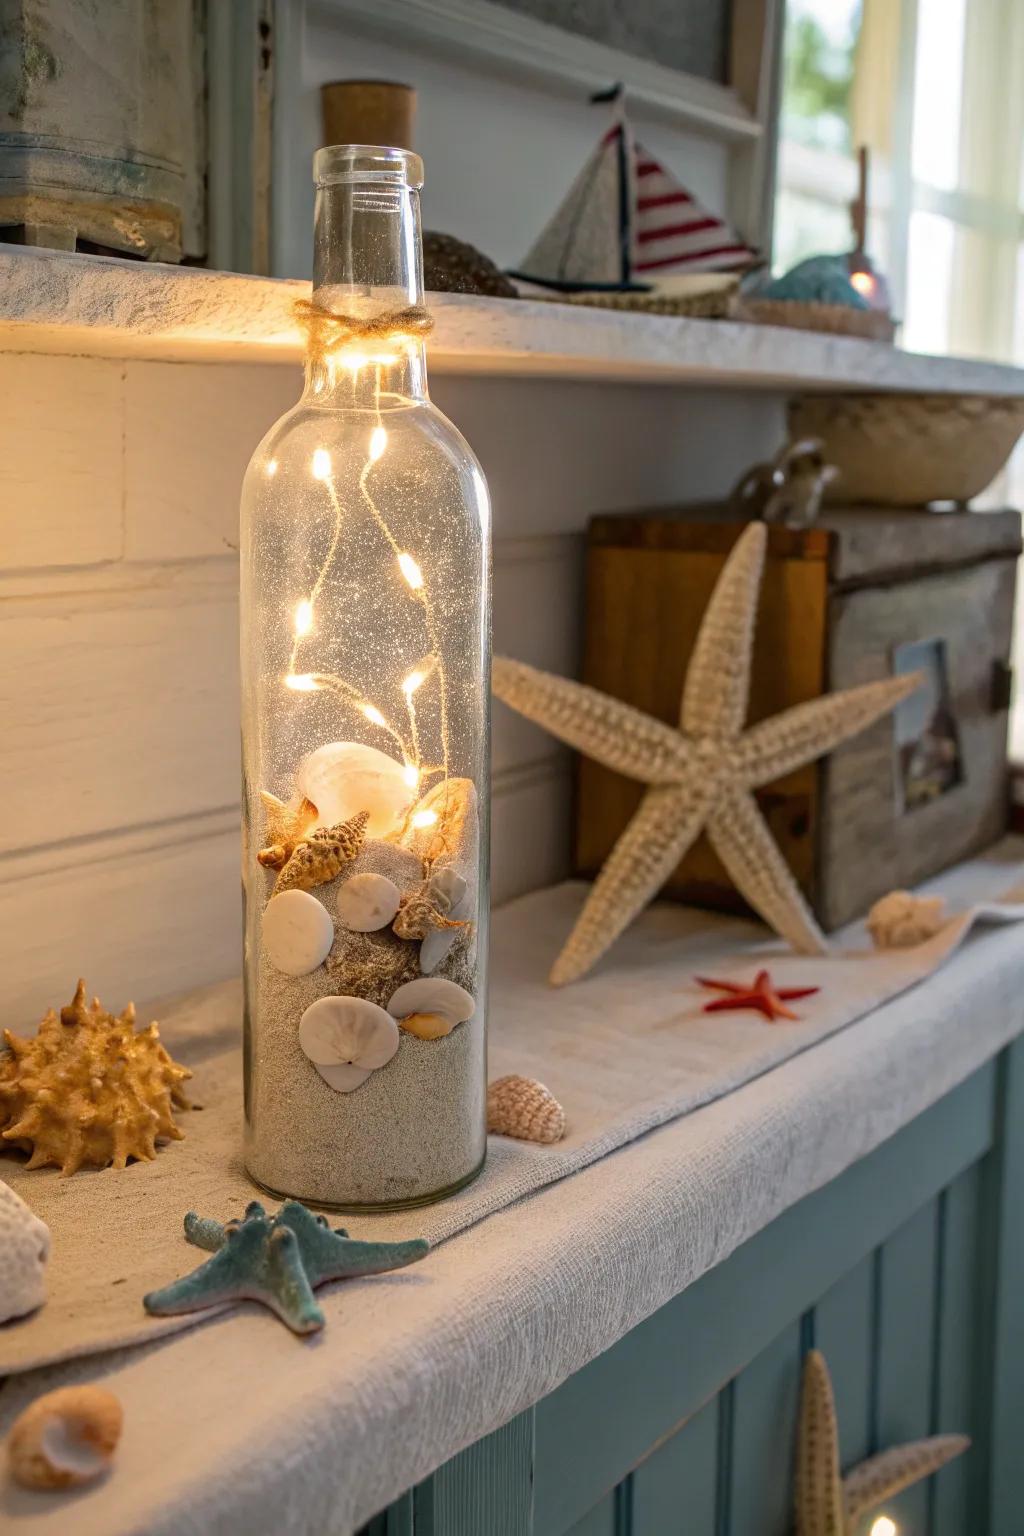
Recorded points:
(24,1249)
(901,920)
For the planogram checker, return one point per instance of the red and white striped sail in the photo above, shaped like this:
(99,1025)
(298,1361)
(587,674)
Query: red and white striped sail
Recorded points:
(626,220)
(673,232)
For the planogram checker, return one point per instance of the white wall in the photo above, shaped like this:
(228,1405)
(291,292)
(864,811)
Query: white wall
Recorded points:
(119,844)
(500,154)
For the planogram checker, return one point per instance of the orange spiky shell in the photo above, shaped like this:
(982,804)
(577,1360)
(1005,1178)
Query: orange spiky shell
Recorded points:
(89,1089)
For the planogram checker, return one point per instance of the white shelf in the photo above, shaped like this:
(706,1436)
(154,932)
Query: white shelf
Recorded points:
(53,301)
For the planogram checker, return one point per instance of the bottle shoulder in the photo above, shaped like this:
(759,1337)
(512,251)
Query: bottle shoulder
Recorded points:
(308,436)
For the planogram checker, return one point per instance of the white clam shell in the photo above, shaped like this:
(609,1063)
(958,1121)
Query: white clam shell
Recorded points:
(450,891)
(347,1038)
(433,994)
(368,902)
(297,932)
(65,1438)
(346,777)
(24,1249)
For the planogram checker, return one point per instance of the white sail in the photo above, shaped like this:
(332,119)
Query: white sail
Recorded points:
(586,240)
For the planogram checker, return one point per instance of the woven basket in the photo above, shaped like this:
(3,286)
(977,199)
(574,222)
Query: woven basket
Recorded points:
(838,319)
(907,450)
(716,304)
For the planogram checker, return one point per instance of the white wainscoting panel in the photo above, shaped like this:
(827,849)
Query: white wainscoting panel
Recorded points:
(119,847)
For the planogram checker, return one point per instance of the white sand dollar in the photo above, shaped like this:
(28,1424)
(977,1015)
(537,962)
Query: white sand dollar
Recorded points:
(368,902)
(297,931)
(347,1038)
(346,777)
(434,995)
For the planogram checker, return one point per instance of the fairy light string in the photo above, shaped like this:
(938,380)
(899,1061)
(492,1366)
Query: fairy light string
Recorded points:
(326,335)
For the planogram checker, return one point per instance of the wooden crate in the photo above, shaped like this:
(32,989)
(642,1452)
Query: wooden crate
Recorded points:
(839,601)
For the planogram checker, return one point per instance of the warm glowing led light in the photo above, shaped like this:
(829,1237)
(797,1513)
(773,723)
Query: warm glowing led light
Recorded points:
(373,714)
(411,775)
(271,467)
(413,681)
(301,682)
(303,618)
(378,442)
(424,818)
(411,571)
(883,1526)
(864,284)
(321,464)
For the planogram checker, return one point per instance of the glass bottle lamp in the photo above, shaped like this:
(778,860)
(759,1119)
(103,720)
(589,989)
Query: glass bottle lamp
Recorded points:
(365,651)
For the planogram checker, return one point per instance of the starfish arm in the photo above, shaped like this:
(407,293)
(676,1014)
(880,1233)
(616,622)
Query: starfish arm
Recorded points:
(651,846)
(745,845)
(818,1488)
(352,1258)
(219,1279)
(289,1293)
(808,731)
(204,1232)
(606,729)
(881,1477)
(718,679)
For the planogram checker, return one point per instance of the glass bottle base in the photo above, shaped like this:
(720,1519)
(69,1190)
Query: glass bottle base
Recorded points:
(368,1208)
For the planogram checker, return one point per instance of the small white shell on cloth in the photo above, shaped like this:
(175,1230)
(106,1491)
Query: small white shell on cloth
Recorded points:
(368,902)
(297,931)
(523,1108)
(435,997)
(24,1249)
(902,920)
(346,777)
(65,1438)
(347,1038)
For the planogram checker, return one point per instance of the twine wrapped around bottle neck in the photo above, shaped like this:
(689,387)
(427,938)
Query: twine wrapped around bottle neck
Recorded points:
(326,331)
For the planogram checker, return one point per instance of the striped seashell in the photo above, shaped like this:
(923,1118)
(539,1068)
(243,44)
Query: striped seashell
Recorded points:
(523,1108)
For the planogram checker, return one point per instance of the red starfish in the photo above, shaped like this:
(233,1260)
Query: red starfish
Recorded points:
(762,996)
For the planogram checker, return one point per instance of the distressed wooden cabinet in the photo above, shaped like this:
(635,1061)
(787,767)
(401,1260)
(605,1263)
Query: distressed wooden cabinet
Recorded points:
(845,602)
(907,1272)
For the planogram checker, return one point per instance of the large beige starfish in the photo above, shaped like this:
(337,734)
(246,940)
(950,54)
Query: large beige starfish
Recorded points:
(828,1504)
(702,775)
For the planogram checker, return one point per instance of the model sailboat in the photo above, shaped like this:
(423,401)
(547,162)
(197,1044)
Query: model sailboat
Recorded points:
(627,223)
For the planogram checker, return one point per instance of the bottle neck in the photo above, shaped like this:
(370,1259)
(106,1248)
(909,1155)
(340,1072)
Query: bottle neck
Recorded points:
(368,263)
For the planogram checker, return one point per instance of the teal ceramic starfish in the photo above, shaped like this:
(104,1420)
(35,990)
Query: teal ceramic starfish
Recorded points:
(277,1260)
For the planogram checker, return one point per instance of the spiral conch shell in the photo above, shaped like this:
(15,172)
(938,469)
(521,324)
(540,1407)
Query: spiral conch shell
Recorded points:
(65,1438)
(323,855)
(89,1088)
(523,1108)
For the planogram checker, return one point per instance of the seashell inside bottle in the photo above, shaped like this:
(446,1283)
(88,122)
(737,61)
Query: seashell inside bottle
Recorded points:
(365,648)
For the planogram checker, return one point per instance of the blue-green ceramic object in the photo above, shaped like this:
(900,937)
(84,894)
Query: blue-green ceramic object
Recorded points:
(276,1260)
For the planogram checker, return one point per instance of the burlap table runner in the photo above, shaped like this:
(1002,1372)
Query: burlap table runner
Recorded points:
(625,1050)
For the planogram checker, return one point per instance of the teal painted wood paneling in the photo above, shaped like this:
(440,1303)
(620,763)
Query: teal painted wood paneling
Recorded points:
(600,1423)
(675,1489)
(906,1326)
(602,1520)
(842,1330)
(1004,1299)
(766,1399)
(487,1488)
(907,1272)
